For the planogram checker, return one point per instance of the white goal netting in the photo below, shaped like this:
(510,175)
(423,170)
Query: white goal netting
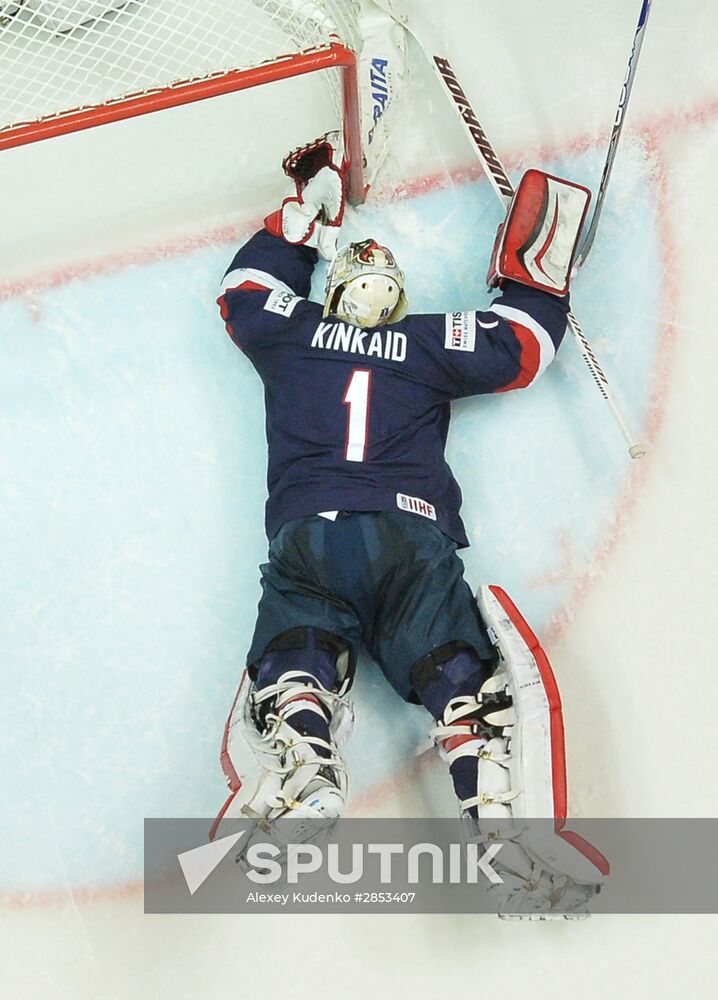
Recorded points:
(195,166)
(57,57)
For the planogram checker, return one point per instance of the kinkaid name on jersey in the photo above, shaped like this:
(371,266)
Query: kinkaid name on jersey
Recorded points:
(387,344)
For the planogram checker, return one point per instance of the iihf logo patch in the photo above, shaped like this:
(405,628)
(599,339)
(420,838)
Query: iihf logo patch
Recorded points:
(416,505)
(460,331)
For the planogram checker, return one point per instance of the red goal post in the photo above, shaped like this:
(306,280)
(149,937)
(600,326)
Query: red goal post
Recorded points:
(72,65)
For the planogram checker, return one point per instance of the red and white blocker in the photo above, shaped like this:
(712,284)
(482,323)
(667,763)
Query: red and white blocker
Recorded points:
(536,245)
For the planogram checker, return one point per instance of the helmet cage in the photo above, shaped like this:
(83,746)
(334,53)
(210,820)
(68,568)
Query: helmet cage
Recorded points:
(358,260)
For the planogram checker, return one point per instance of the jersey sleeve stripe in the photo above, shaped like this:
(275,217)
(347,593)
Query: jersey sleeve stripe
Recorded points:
(530,360)
(257,280)
(537,348)
(224,313)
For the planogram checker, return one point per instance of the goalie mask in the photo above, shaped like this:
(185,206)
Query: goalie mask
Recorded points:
(365,286)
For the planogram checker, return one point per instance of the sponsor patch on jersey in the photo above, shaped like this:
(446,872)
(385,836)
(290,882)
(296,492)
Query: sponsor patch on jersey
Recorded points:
(415,505)
(282,303)
(460,331)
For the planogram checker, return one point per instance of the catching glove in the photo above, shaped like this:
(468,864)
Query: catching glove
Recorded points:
(313,207)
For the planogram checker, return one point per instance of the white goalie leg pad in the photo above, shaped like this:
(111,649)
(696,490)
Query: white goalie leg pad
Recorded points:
(522,776)
(271,774)
(538,761)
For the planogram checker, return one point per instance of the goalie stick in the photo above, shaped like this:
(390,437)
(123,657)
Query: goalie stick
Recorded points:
(504,189)
(616,133)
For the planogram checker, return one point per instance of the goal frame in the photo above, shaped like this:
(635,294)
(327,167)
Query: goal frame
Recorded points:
(332,56)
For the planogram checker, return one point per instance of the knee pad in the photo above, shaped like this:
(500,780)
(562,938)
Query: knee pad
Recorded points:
(445,673)
(319,654)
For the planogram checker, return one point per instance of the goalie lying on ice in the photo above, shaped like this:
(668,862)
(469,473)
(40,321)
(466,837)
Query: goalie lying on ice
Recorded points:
(363,515)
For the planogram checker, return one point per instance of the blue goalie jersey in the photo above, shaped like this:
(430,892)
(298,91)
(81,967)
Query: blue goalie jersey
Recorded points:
(357,420)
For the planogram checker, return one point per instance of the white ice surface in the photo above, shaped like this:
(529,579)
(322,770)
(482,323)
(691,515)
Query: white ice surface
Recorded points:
(132,490)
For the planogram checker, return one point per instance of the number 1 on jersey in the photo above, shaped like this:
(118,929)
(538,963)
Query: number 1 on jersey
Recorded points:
(356,397)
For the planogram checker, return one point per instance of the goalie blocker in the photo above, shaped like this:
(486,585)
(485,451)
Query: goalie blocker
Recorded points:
(537,243)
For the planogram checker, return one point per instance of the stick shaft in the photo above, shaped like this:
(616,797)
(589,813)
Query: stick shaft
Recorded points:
(504,189)
(617,129)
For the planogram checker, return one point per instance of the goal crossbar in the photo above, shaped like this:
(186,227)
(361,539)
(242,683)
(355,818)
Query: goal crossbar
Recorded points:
(333,56)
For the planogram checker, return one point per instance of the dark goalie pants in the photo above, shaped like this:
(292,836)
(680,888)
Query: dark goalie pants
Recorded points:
(388,581)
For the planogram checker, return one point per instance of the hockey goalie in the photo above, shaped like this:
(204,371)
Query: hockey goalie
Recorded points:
(363,520)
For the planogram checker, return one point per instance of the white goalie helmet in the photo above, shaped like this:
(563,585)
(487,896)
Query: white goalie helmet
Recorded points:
(365,286)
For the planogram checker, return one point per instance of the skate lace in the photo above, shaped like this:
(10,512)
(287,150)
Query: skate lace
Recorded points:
(456,736)
(461,718)
(280,738)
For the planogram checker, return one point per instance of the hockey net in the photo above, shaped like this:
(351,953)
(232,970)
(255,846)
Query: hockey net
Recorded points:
(74,64)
